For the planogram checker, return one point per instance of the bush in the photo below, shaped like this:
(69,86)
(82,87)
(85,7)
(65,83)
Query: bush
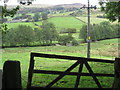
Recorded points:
(101,31)
(65,39)
(21,36)
(68,30)
(75,42)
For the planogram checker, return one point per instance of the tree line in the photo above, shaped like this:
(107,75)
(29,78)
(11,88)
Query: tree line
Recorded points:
(24,35)
(101,31)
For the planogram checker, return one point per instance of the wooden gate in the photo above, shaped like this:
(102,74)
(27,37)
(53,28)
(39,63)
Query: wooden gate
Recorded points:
(79,61)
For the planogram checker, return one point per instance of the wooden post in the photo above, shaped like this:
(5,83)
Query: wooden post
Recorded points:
(30,72)
(0,79)
(116,83)
(11,75)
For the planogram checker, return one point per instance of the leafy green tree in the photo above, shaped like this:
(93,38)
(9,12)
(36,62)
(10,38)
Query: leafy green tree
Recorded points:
(104,30)
(111,9)
(68,30)
(75,42)
(36,17)
(25,35)
(9,38)
(83,32)
(116,30)
(64,39)
(21,36)
(49,32)
(97,30)
(44,16)
(38,36)
(4,12)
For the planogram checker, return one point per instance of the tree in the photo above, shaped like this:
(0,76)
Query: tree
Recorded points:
(83,32)
(25,35)
(4,12)
(36,17)
(101,31)
(21,36)
(64,39)
(112,10)
(44,16)
(75,42)
(49,32)
(38,36)
(68,30)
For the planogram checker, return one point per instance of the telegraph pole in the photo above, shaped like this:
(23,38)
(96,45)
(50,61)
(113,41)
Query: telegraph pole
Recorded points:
(88,31)
(88,27)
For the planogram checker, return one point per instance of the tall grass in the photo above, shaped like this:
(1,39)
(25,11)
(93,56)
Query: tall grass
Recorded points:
(22,54)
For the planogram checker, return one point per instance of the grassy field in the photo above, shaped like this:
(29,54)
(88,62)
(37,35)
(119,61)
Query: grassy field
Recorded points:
(59,22)
(93,20)
(14,25)
(65,22)
(106,49)
(60,14)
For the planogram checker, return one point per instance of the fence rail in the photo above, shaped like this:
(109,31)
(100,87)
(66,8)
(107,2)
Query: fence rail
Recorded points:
(71,73)
(70,57)
(79,61)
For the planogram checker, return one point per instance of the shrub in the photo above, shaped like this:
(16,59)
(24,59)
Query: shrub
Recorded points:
(75,42)
(21,36)
(65,39)
(68,30)
(101,31)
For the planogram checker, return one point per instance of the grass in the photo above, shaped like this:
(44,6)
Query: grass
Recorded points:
(66,22)
(98,50)
(60,14)
(93,20)
(59,22)
(14,25)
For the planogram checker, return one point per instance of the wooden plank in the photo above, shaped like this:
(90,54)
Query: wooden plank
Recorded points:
(36,88)
(93,75)
(71,73)
(116,83)
(70,57)
(79,74)
(63,74)
(30,72)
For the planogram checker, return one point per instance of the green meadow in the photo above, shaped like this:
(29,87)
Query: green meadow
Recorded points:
(93,20)
(61,22)
(106,49)
(65,22)
(14,25)
(100,49)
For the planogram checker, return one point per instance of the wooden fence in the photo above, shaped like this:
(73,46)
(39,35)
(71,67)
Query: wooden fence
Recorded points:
(79,61)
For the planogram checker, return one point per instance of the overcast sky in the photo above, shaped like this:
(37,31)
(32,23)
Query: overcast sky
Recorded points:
(54,2)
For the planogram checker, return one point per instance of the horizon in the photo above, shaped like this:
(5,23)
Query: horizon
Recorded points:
(53,2)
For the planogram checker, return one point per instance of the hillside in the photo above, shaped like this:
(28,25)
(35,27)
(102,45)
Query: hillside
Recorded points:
(59,22)
(74,5)
(31,6)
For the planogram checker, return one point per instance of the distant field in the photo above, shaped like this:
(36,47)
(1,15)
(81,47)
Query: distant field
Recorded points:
(66,22)
(93,20)
(61,14)
(106,49)
(14,25)
(60,23)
